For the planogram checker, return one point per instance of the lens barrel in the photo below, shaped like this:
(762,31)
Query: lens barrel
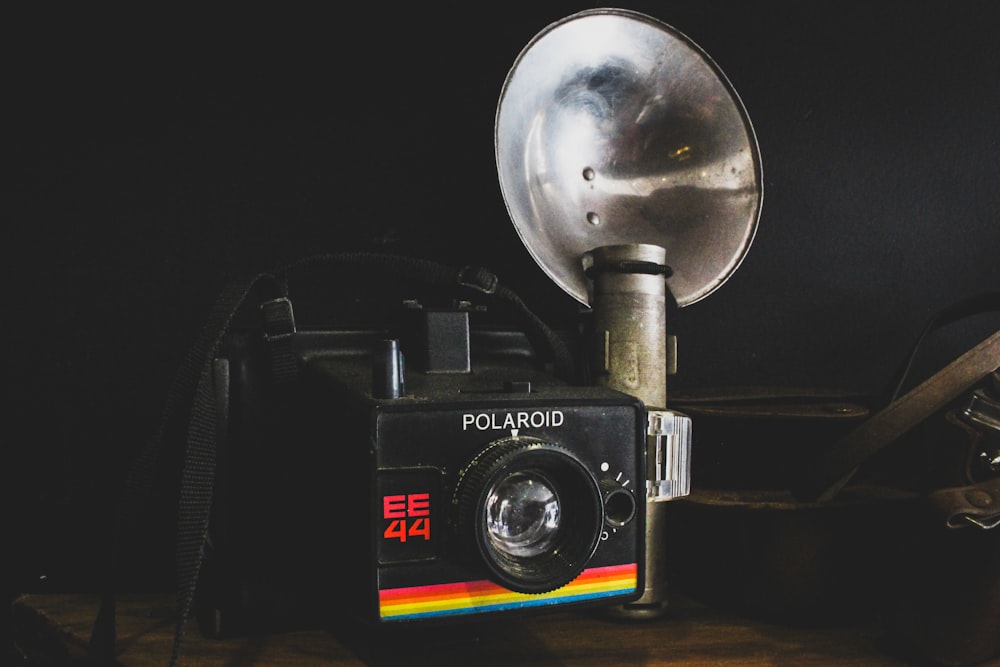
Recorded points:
(530,511)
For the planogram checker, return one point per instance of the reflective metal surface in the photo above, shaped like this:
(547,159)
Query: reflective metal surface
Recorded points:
(614,128)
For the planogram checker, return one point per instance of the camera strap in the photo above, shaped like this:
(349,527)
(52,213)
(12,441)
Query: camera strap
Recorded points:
(192,393)
(836,468)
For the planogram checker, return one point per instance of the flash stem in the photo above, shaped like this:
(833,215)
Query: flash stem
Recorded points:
(630,320)
(629,298)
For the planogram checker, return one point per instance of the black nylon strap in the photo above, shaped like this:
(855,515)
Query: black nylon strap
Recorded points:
(193,379)
(194,382)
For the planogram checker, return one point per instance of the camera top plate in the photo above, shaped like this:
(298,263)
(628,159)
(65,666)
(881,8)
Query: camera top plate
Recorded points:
(614,128)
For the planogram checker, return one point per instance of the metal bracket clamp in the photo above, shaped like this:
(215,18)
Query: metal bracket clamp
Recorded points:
(668,458)
(976,505)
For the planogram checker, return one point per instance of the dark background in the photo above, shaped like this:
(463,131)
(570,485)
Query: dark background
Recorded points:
(150,157)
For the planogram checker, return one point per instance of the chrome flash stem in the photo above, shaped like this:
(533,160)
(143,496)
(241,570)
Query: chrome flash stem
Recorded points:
(629,300)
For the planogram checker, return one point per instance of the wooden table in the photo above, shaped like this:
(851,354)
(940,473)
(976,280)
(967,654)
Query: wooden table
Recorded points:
(54,629)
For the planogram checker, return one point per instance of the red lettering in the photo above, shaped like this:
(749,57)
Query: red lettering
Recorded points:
(418,504)
(396,529)
(421,528)
(398,507)
(393,507)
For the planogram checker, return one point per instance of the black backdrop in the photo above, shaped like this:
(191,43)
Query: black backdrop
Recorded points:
(152,156)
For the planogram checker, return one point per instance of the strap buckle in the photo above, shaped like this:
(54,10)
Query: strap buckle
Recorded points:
(278,318)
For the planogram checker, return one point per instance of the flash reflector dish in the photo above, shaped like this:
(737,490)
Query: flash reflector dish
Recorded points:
(614,128)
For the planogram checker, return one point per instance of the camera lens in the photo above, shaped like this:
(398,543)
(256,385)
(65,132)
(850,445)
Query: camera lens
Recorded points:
(522,515)
(531,512)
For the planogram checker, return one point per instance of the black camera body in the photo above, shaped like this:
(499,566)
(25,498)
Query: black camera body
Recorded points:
(427,473)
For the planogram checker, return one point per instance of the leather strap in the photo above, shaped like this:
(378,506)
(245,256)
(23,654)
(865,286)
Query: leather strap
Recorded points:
(836,468)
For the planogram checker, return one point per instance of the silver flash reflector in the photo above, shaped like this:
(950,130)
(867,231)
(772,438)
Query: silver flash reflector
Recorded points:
(632,174)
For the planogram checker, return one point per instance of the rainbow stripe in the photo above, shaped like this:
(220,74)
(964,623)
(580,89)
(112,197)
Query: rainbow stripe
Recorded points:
(474,597)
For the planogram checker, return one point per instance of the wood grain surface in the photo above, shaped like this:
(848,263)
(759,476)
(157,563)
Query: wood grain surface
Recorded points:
(53,629)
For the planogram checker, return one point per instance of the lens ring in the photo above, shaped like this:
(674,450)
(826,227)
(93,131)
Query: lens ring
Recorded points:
(552,521)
